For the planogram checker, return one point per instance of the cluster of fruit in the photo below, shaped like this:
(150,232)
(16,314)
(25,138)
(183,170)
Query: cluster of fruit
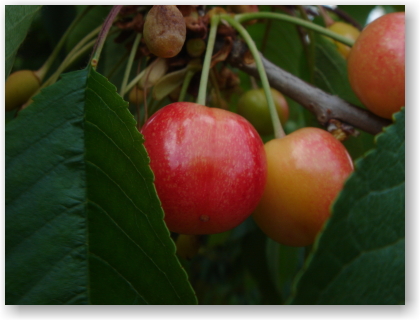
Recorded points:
(212,170)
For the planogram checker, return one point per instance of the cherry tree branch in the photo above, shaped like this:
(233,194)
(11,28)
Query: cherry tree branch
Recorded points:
(325,106)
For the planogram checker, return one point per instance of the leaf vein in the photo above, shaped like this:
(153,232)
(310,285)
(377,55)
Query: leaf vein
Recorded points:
(137,245)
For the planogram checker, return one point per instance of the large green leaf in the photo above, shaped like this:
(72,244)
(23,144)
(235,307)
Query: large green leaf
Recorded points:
(359,258)
(83,222)
(17,22)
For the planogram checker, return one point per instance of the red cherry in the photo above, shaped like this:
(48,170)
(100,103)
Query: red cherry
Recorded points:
(376,65)
(209,166)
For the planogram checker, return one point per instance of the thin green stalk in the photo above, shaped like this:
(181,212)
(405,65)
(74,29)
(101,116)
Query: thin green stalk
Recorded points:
(46,66)
(117,65)
(298,21)
(215,85)
(201,99)
(76,51)
(130,63)
(266,32)
(278,129)
(133,82)
(103,35)
(185,84)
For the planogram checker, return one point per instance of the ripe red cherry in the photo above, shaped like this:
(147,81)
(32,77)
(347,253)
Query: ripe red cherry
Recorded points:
(209,166)
(376,65)
(305,172)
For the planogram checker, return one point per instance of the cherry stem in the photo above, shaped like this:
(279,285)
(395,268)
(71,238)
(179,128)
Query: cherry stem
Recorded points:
(145,86)
(185,84)
(215,85)
(103,35)
(278,129)
(298,21)
(328,21)
(254,83)
(130,63)
(201,99)
(76,52)
(134,81)
(41,72)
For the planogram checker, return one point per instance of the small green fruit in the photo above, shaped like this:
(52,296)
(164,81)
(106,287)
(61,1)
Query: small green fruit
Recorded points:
(253,106)
(19,88)
(196,47)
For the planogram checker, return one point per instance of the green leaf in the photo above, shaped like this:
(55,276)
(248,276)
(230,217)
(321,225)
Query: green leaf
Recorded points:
(359,13)
(283,263)
(331,71)
(17,22)
(93,18)
(255,260)
(331,76)
(360,258)
(83,221)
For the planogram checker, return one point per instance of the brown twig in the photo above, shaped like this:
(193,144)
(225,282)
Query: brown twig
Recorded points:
(325,106)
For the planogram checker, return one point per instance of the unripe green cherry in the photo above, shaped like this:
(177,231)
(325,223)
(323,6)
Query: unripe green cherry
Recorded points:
(196,47)
(253,106)
(164,31)
(19,88)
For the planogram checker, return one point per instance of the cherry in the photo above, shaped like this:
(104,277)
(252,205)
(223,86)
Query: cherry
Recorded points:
(196,47)
(305,172)
(209,166)
(19,88)
(376,65)
(136,96)
(164,31)
(346,30)
(253,106)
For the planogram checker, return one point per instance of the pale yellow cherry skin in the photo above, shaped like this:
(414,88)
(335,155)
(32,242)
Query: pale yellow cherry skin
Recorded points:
(305,172)
(346,30)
